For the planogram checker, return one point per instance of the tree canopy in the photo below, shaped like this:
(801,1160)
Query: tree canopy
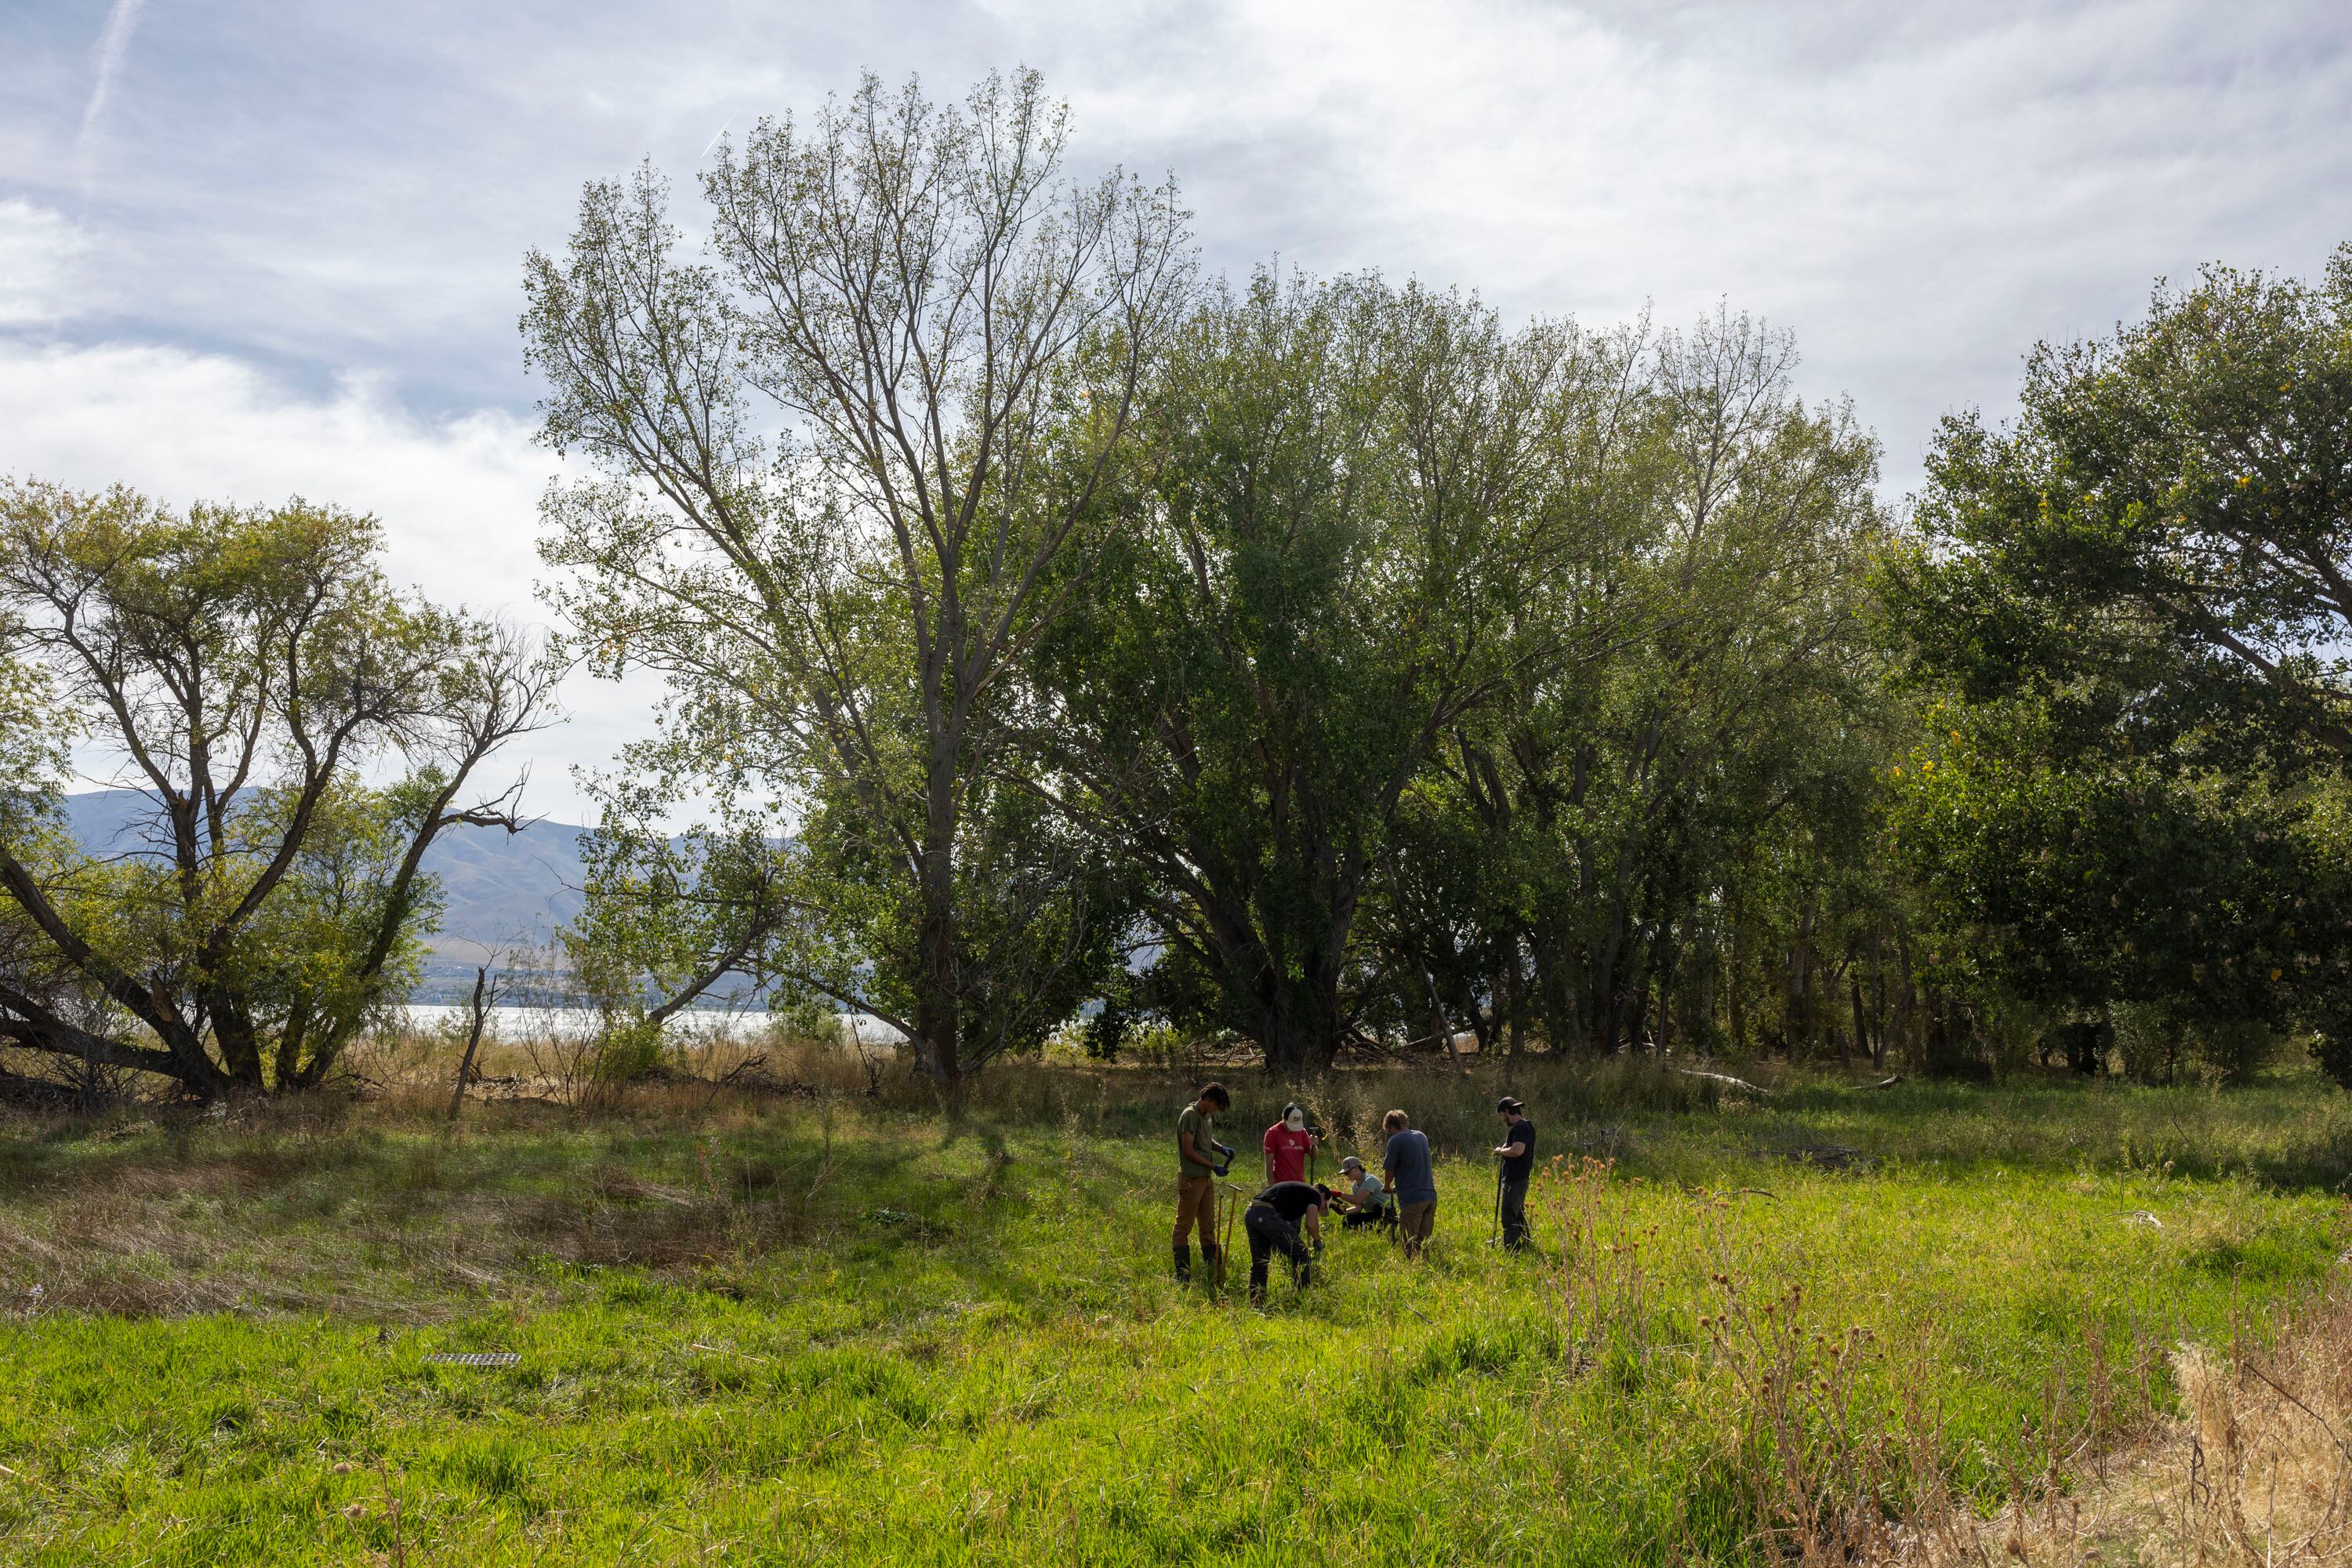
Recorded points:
(303,734)
(1056,644)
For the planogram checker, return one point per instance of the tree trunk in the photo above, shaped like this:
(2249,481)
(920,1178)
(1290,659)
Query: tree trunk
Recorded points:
(1861,1021)
(937,1011)
(1298,1023)
(1511,1016)
(473,1038)
(239,1042)
(1878,992)
(1804,1028)
(1734,991)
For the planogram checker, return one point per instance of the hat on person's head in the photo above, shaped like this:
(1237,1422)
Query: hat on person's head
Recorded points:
(1507,1103)
(1350,1162)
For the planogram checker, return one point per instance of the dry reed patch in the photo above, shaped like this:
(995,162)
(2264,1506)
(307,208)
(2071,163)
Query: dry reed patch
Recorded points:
(1838,1453)
(2256,1470)
(116,1259)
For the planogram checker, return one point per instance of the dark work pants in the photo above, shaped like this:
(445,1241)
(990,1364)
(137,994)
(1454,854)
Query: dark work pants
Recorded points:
(1269,1233)
(1514,1212)
(1359,1219)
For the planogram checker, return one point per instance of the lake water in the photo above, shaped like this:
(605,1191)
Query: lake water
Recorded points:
(703,1023)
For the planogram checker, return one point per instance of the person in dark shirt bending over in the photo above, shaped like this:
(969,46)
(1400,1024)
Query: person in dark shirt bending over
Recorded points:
(1517,1152)
(1273,1220)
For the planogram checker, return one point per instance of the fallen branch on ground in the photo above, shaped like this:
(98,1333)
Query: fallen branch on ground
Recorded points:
(1742,1084)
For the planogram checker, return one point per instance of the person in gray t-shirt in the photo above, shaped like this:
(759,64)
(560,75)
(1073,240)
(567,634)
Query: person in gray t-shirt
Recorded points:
(1412,1177)
(1366,1196)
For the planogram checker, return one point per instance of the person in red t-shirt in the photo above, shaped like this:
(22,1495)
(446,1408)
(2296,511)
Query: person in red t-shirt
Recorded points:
(1287,1144)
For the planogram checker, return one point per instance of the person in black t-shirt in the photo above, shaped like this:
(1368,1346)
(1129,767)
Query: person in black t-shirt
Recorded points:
(1517,1152)
(1273,1220)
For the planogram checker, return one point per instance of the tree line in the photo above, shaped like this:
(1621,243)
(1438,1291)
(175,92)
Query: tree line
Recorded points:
(1055,640)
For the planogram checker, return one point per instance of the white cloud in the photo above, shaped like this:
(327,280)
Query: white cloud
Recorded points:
(1919,191)
(458,499)
(41,257)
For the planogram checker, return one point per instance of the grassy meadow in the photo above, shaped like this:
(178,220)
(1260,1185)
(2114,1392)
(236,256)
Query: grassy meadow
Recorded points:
(806,1323)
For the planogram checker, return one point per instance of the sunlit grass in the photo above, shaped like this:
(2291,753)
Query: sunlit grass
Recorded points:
(845,1329)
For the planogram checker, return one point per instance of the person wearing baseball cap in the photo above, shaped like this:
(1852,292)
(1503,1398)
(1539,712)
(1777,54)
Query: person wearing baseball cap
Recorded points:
(1287,1144)
(1517,1153)
(1367,1199)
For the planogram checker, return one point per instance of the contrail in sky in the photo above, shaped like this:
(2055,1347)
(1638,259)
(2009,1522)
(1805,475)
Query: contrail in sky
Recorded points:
(113,44)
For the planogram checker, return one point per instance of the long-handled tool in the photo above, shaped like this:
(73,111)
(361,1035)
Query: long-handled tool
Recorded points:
(1498,1201)
(1225,1248)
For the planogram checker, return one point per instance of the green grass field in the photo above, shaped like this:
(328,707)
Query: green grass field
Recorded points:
(846,1330)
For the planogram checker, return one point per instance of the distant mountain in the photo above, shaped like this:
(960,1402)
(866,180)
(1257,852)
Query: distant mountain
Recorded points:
(500,890)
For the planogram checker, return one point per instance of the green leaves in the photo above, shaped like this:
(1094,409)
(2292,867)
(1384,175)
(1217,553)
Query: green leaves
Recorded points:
(247,671)
(2135,597)
(2170,514)
(853,464)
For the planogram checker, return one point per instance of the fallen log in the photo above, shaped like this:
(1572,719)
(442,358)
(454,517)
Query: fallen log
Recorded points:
(1725,1079)
(1828,1156)
(39,1093)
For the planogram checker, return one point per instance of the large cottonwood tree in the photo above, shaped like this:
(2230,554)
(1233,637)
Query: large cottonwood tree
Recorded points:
(2171,509)
(2135,599)
(1350,536)
(1612,830)
(853,457)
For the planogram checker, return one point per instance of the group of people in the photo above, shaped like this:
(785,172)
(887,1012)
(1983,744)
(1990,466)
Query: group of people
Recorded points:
(1286,1218)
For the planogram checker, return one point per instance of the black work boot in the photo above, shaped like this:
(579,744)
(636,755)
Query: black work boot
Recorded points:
(1184,1262)
(1208,1260)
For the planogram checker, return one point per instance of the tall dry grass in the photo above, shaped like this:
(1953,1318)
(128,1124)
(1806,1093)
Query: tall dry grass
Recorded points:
(2255,1468)
(1833,1451)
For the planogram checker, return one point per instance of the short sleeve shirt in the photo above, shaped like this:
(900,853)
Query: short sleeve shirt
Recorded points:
(1516,1170)
(1407,1158)
(1288,1151)
(1291,1200)
(1203,1139)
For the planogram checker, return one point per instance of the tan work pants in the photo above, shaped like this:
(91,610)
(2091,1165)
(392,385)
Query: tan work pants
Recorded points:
(1417,1220)
(1196,1200)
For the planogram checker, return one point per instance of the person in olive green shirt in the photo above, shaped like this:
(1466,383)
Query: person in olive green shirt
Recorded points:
(1200,1160)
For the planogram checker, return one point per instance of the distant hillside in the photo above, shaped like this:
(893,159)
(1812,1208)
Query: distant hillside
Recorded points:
(500,889)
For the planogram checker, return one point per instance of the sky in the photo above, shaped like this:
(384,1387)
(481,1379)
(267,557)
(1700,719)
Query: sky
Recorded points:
(251,250)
